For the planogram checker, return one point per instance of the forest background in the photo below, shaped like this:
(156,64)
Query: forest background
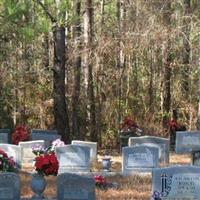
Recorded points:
(81,66)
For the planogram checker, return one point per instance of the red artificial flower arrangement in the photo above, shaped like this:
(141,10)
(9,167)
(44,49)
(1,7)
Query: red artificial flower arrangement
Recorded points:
(7,164)
(20,134)
(128,125)
(46,162)
(174,125)
(100,181)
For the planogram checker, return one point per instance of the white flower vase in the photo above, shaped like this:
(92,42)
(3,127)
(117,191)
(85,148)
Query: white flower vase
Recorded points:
(38,185)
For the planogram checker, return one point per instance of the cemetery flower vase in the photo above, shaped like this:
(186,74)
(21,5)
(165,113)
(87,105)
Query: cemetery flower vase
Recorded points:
(106,163)
(38,185)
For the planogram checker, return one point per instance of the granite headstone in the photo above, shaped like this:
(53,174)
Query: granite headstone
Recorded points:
(187,141)
(13,151)
(176,183)
(152,141)
(139,159)
(47,135)
(5,136)
(9,186)
(73,158)
(75,187)
(26,151)
(92,145)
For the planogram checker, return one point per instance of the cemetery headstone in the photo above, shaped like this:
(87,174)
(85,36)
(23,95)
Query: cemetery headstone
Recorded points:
(13,151)
(9,186)
(73,158)
(161,143)
(47,135)
(75,187)
(139,159)
(26,151)
(5,135)
(187,141)
(92,145)
(176,183)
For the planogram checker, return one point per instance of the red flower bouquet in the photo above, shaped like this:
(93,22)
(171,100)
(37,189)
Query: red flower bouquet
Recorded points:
(100,181)
(7,164)
(128,124)
(46,162)
(20,134)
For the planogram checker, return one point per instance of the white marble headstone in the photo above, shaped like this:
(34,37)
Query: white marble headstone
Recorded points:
(161,143)
(26,151)
(92,145)
(13,151)
(73,158)
(139,159)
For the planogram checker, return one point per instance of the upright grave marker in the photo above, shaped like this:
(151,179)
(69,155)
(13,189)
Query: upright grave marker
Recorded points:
(47,135)
(92,145)
(72,186)
(189,142)
(139,159)
(26,151)
(161,143)
(73,158)
(13,151)
(176,183)
(5,135)
(9,186)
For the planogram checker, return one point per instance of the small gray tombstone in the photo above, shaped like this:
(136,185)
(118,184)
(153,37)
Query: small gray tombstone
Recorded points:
(4,135)
(177,182)
(187,141)
(73,158)
(47,135)
(92,145)
(152,141)
(26,151)
(75,187)
(13,151)
(139,159)
(9,186)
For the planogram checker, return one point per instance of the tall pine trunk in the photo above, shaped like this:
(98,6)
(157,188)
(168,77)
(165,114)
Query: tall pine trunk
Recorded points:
(88,37)
(60,108)
(77,75)
(186,48)
(167,60)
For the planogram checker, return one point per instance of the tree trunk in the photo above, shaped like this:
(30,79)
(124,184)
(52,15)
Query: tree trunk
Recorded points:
(186,48)
(77,74)
(88,34)
(167,60)
(60,108)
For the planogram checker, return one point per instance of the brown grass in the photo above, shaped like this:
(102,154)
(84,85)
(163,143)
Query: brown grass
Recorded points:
(130,188)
